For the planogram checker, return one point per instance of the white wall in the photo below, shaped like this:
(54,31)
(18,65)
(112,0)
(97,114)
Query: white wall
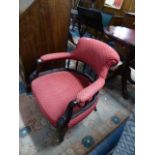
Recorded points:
(24,4)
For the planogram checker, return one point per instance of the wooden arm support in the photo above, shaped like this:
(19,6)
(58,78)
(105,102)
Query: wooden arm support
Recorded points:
(68,115)
(35,73)
(63,120)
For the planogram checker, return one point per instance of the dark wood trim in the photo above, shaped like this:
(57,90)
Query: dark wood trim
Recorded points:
(86,107)
(40,64)
(61,133)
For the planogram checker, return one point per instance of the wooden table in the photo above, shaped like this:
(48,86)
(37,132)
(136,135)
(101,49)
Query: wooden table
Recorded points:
(127,37)
(122,34)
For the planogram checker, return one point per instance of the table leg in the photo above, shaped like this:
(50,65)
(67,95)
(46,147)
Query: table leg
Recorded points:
(124,82)
(126,72)
(115,73)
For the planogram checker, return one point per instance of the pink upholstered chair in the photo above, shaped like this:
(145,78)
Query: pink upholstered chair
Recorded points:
(67,96)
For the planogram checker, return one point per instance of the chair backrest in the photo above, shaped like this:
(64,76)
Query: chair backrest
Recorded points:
(90,17)
(94,18)
(87,3)
(97,54)
(106,18)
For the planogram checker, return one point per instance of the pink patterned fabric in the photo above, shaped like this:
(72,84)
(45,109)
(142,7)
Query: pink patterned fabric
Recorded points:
(100,57)
(97,54)
(87,93)
(55,56)
(55,90)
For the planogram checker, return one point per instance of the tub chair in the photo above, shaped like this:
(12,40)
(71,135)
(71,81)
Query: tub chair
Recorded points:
(67,95)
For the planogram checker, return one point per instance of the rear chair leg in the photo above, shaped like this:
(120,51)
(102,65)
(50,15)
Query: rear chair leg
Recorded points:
(95,109)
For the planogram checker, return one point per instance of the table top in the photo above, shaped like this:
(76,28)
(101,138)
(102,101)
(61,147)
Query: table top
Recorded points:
(123,34)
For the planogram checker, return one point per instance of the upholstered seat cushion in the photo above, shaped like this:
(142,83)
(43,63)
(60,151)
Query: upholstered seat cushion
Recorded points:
(54,91)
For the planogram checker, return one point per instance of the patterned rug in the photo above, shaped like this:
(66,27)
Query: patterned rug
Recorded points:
(30,114)
(126,144)
(41,136)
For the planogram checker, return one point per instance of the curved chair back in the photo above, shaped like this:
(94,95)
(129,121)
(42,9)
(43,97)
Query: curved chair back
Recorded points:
(97,54)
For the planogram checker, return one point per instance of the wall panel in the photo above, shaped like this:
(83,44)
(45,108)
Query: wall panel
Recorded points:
(43,29)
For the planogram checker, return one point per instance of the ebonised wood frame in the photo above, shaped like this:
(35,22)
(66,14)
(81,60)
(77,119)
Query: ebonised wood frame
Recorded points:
(69,114)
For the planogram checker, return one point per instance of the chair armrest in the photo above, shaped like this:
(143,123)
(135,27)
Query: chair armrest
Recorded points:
(46,58)
(84,96)
(87,93)
(55,56)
